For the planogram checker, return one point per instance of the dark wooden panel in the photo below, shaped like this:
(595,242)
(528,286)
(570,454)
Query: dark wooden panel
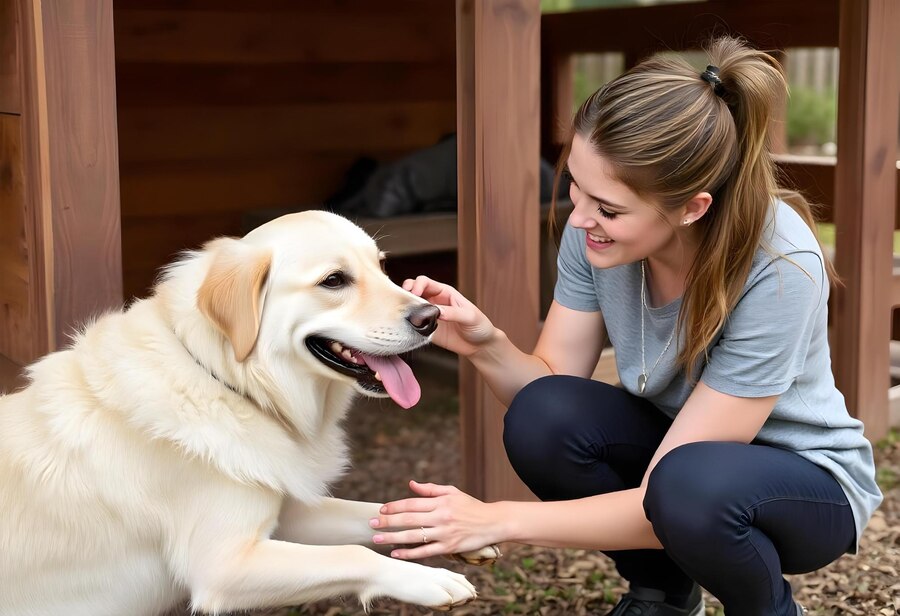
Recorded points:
(83,160)
(638,31)
(498,73)
(150,243)
(215,133)
(289,36)
(10,79)
(211,188)
(206,85)
(17,325)
(865,198)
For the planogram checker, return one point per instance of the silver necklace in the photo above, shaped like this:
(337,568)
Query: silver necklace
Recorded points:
(645,376)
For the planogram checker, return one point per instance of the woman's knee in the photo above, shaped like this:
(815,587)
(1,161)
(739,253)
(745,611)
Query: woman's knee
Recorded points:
(545,413)
(688,493)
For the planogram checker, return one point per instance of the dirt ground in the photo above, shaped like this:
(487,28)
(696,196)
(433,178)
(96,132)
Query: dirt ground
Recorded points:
(392,446)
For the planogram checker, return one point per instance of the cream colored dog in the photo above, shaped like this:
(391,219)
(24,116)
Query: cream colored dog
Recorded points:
(183,448)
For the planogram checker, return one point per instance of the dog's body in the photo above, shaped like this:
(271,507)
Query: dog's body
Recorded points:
(182,449)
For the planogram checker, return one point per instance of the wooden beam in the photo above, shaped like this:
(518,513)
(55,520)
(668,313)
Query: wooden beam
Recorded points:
(865,194)
(37,221)
(641,30)
(498,58)
(71,159)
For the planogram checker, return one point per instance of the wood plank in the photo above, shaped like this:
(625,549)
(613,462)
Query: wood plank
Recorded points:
(10,79)
(641,30)
(292,36)
(17,324)
(814,177)
(156,84)
(865,195)
(215,187)
(216,133)
(81,149)
(498,94)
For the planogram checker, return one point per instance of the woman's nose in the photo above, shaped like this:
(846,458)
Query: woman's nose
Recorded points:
(579,219)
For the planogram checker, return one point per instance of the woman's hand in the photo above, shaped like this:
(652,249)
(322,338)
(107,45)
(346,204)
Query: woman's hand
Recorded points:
(445,521)
(463,328)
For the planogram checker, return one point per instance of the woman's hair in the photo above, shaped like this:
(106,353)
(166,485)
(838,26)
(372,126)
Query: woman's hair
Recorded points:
(668,134)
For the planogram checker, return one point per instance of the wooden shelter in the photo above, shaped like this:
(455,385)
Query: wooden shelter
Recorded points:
(133,129)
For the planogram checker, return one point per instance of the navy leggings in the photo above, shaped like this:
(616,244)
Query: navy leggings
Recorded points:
(732,517)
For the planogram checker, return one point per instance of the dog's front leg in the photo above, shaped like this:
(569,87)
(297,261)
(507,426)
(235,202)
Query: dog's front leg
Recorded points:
(339,522)
(273,573)
(332,522)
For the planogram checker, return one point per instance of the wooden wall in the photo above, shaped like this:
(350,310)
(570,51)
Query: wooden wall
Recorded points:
(226,106)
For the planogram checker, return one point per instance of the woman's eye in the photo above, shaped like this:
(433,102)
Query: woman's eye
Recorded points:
(334,281)
(606,213)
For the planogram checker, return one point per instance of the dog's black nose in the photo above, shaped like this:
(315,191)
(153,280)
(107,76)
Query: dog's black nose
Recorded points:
(424,318)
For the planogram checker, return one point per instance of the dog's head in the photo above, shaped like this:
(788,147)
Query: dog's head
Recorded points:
(309,290)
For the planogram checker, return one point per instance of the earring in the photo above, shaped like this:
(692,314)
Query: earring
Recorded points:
(686,222)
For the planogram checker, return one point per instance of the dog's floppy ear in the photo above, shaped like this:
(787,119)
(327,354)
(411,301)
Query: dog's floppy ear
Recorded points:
(231,294)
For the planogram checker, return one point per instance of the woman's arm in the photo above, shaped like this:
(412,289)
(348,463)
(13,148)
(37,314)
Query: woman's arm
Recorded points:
(454,521)
(570,343)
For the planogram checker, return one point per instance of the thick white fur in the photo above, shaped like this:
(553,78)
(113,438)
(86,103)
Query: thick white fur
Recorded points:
(131,479)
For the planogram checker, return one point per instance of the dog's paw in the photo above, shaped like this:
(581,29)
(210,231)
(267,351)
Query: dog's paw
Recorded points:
(438,589)
(487,555)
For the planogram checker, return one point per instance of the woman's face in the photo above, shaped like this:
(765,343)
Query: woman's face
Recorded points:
(621,226)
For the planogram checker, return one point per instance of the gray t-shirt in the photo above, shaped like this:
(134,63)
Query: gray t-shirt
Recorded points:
(774,342)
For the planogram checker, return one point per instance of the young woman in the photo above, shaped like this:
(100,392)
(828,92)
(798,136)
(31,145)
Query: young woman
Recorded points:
(728,457)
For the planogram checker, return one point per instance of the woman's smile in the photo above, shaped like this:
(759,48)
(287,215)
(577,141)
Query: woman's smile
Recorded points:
(598,242)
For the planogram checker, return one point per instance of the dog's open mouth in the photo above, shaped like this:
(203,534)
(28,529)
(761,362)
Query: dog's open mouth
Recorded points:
(376,373)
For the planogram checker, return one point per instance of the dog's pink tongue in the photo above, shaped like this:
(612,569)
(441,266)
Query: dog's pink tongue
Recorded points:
(397,377)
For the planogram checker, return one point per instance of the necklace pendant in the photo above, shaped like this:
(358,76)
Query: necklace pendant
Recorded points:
(642,383)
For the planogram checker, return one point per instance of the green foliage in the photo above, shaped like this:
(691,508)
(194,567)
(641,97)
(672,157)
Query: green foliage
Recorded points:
(892,438)
(811,117)
(887,479)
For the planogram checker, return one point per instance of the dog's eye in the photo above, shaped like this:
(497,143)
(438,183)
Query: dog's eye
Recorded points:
(334,281)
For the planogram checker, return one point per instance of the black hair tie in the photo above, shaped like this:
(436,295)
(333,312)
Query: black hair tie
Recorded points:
(711,76)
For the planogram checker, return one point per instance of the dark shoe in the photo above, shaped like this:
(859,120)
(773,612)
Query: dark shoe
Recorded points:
(650,602)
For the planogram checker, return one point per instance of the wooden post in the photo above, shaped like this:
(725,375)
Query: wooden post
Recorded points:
(865,193)
(498,57)
(69,165)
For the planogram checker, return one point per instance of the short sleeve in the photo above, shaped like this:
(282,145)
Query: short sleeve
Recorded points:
(574,283)
(766,338)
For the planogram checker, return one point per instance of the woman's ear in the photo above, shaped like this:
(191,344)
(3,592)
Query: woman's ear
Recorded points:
(231,294)
(695,208)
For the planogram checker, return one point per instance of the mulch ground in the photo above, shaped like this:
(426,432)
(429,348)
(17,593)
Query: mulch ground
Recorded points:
(392,446)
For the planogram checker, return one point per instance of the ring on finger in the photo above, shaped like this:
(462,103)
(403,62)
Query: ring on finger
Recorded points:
(424,536)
